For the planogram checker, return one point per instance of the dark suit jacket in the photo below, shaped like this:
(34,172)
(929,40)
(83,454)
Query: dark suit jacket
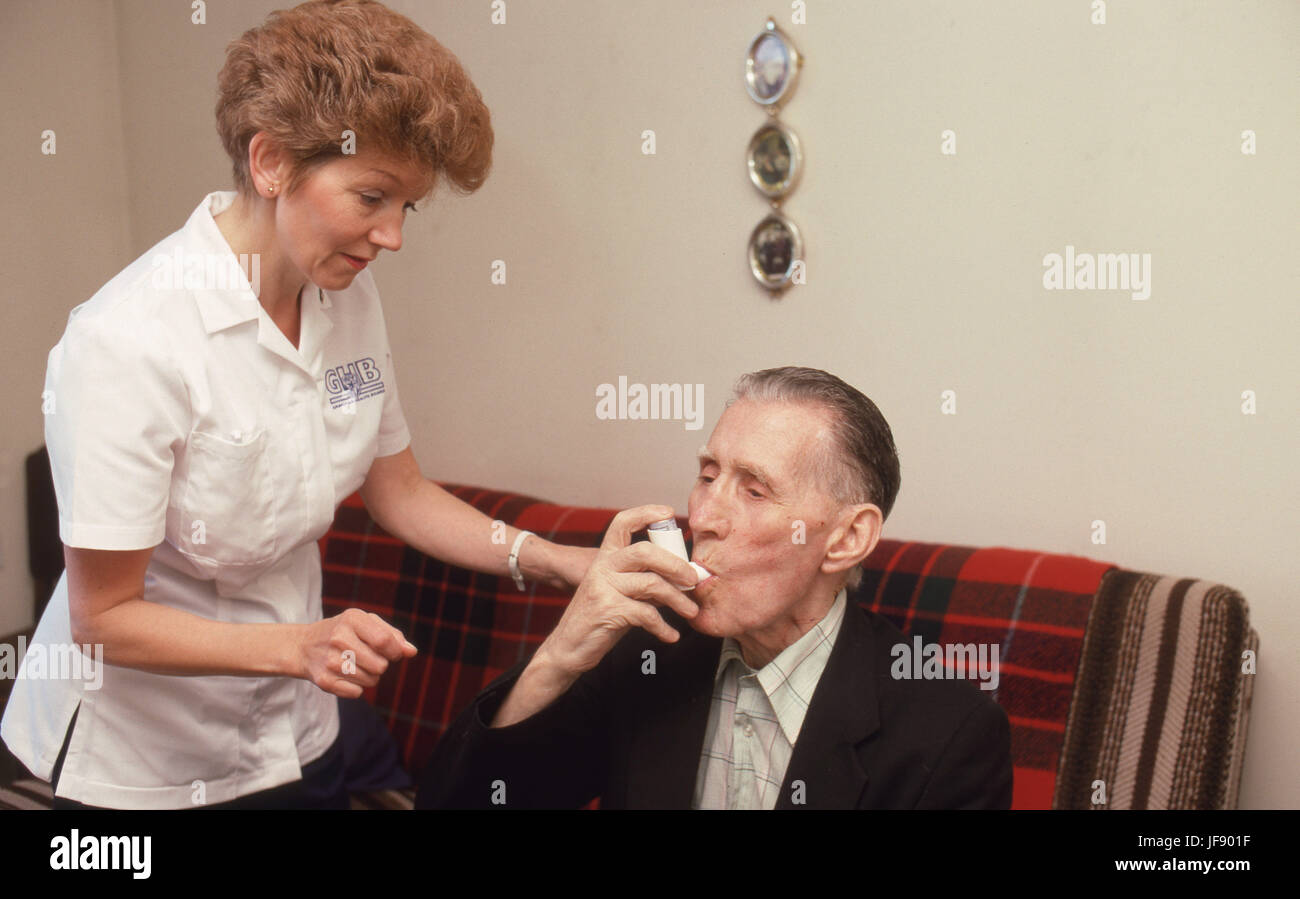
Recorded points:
(634,738)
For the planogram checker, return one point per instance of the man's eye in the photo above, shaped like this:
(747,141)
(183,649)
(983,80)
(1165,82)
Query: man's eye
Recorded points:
(705,479)
(755,494)
(371,199)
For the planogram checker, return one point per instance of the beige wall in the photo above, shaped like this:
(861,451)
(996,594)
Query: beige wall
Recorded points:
(65,228)
(924,270)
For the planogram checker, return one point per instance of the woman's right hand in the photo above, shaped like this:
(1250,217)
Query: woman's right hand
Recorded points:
(350,651)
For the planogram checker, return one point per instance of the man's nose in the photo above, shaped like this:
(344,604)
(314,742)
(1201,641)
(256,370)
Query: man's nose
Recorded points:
(708,514)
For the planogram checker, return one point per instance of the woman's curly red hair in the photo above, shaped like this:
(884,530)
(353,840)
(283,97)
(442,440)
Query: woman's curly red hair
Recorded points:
(311,72)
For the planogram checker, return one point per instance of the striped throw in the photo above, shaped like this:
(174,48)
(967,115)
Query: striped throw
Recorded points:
(1162,698)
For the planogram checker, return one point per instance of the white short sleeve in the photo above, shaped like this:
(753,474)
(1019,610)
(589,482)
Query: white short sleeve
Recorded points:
(116,411)
(394,436)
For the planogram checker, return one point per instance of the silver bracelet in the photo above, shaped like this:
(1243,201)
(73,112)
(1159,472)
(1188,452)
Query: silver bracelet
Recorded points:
(514,559)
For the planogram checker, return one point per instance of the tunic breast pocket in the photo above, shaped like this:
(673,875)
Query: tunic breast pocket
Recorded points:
(229,501)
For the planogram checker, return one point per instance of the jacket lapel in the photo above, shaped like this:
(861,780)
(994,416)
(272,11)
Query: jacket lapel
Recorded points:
(669,726)
(843,712)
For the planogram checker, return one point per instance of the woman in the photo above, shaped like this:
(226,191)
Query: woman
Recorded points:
(203,428)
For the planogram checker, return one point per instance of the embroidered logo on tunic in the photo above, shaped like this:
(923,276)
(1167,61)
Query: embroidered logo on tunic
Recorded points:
(353,382)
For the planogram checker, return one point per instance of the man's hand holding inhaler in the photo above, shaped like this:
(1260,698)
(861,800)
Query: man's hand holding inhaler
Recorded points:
(621,590)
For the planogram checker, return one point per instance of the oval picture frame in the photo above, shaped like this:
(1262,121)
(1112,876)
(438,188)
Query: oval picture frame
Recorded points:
(775,158)
(771,66)
(775,245)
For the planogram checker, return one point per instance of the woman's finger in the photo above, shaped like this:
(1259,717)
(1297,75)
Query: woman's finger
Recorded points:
(381,636)
(345,688)
(358,657)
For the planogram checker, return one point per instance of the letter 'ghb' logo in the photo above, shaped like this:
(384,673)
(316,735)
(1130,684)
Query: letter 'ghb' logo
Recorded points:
(353,382)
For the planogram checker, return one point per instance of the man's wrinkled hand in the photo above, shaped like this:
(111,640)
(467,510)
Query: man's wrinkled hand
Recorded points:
(623,588)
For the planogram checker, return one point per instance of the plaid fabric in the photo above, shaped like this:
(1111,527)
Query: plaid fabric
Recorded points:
(1034,606)
(470,628)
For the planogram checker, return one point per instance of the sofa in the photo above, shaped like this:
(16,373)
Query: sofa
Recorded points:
(1123,689)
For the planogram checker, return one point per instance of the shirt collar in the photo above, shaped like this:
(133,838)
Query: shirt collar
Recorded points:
(790,679)
(203,240)
(222,308)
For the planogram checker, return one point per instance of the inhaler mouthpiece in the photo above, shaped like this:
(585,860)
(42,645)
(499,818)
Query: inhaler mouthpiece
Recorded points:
(667,534)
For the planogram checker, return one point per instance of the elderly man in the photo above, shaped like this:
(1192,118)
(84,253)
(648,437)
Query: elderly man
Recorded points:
(764,687)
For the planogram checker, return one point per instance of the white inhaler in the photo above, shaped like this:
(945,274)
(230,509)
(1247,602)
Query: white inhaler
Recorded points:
(667,534)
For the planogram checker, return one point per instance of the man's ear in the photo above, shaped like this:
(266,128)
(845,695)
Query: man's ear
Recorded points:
(853,538)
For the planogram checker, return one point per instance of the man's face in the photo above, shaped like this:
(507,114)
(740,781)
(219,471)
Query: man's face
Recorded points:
(760,523)
(344,213)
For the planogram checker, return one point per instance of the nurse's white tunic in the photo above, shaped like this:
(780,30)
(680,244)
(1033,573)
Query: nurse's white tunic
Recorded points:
(179,416)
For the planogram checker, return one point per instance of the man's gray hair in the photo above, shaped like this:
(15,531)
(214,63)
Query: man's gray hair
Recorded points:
(861,464)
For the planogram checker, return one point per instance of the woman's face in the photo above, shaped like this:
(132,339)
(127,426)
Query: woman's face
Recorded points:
(345,212)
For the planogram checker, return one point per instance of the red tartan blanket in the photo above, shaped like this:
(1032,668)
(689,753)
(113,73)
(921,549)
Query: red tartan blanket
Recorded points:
(472,627)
